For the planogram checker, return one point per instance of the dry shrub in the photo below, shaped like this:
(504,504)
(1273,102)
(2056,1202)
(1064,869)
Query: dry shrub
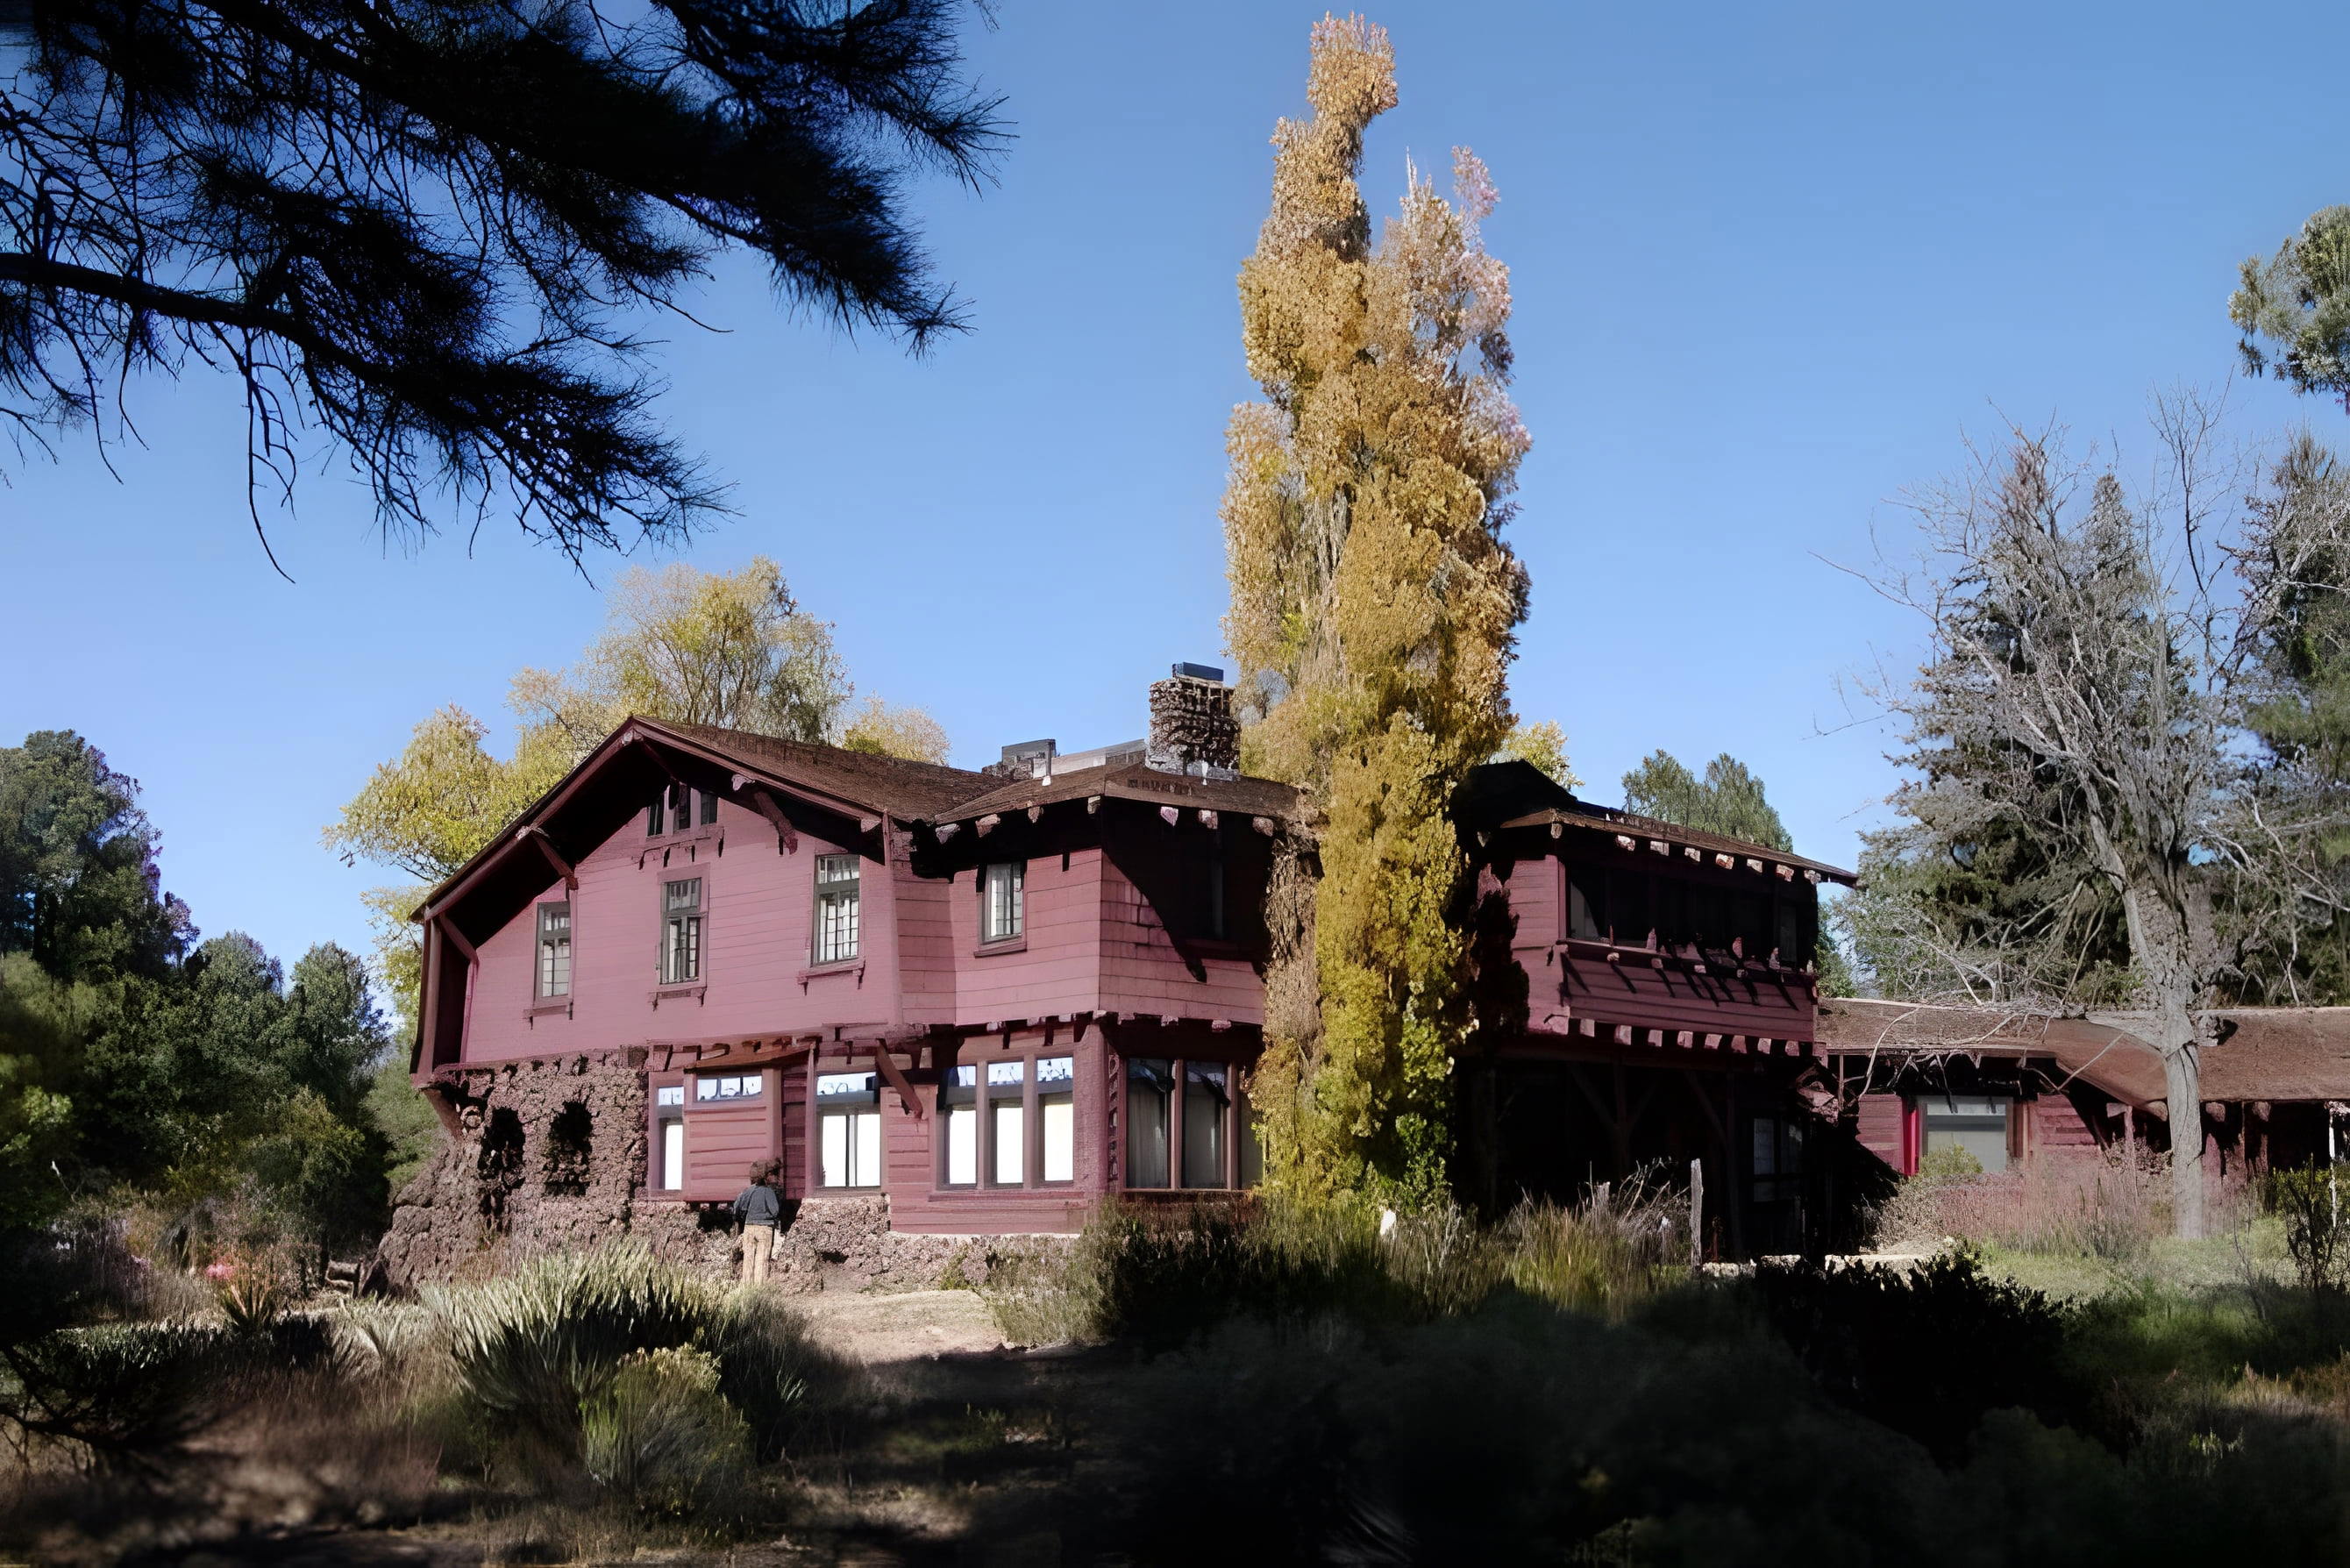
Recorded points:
(2108,1207)
(1157,1277)
(1604,1259)
(662,1436)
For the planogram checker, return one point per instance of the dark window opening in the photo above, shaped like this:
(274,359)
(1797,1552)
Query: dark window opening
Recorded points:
(1150,1089)
(709,808)
(1694,917)
(1207,1123)
(569,1139)
(497,1170)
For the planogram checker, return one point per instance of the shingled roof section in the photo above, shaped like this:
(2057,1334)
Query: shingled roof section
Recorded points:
(2263,1053)
(1132,781)
(1607,819)
(901,788)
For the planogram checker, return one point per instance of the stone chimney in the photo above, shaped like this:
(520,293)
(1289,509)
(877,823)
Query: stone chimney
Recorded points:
(1192,729)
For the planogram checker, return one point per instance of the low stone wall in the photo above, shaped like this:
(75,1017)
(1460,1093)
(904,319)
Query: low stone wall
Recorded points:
(551,1158)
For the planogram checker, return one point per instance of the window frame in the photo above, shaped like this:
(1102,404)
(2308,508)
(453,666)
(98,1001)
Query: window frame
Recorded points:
(696,918)
(540,990)
(849,1107)
(828,891)
(1016,872)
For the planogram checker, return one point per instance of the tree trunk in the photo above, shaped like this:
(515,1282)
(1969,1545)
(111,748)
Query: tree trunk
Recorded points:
(2182,1083)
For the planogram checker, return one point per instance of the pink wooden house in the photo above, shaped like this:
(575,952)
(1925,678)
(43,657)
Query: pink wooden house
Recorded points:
(992,997)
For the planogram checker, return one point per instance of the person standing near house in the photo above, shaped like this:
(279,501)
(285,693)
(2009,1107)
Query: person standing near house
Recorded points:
(759,1206)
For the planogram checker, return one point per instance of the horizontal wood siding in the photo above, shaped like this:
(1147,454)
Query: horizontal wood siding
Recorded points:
(1637,992)
(759,906)
(926,950)
(793,1129)
(1142,972)
(722,1145)
(1881,1118)
(1057,968)
(2055,1127)
(920,1202)
(1535,903)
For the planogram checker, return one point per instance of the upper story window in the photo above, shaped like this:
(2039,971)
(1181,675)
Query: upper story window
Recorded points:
(554,950)
(681,916)
(677,809)
(1003,910)
(672,1095)
(1619,904)
(836,908)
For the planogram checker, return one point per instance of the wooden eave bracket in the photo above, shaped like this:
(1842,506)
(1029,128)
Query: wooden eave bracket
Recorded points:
(456,939)
(885,1062)
(764,800)
(563,867)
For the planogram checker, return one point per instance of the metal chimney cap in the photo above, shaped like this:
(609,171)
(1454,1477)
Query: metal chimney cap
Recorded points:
(1184,672)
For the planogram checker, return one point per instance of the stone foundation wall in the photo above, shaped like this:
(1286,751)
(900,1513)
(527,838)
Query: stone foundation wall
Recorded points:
(521,1181)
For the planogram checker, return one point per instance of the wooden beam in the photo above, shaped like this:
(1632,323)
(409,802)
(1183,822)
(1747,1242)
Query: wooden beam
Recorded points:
(456,939)
(887,1063)
(562,867)
(786,841)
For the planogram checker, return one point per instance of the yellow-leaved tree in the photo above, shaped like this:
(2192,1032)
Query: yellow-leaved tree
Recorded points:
(734,649)
(1374,610)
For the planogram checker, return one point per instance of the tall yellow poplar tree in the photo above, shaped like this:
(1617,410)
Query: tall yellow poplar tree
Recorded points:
(1374,609)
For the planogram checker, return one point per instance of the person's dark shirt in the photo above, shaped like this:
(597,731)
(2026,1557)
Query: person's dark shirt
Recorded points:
(758,1204)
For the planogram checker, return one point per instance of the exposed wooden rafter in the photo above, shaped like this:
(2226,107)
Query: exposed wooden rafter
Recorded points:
(563,867)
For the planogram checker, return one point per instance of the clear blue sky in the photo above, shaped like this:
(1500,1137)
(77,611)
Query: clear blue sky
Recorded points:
(1770,264)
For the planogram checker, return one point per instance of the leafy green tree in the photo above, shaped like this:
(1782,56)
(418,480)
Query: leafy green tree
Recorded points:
(419,226)
(1729,799)
(1374,609)
(79,889)
(1543,744)
(227,1069)
(2299,302)
(731,649)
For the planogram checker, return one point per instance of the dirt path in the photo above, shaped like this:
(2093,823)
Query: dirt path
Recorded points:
(875,1328)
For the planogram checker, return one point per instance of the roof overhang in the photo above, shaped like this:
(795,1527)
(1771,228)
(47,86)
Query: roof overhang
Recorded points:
(589,798)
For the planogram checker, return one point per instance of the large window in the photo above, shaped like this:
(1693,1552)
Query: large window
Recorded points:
(1056,1117)
(554,950)
(1623,905)
(959,1115)
(1149,1091)
(1976,1125)
(1003,901)
(1207,1122)
(1016,1120)
(681,931)
(848,1118)
(1007,1123)
(836,908)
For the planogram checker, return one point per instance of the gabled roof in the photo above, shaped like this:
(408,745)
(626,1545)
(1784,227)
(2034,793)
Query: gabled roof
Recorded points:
(1516,794)
(893,784)
(1131,781)
(570,820)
